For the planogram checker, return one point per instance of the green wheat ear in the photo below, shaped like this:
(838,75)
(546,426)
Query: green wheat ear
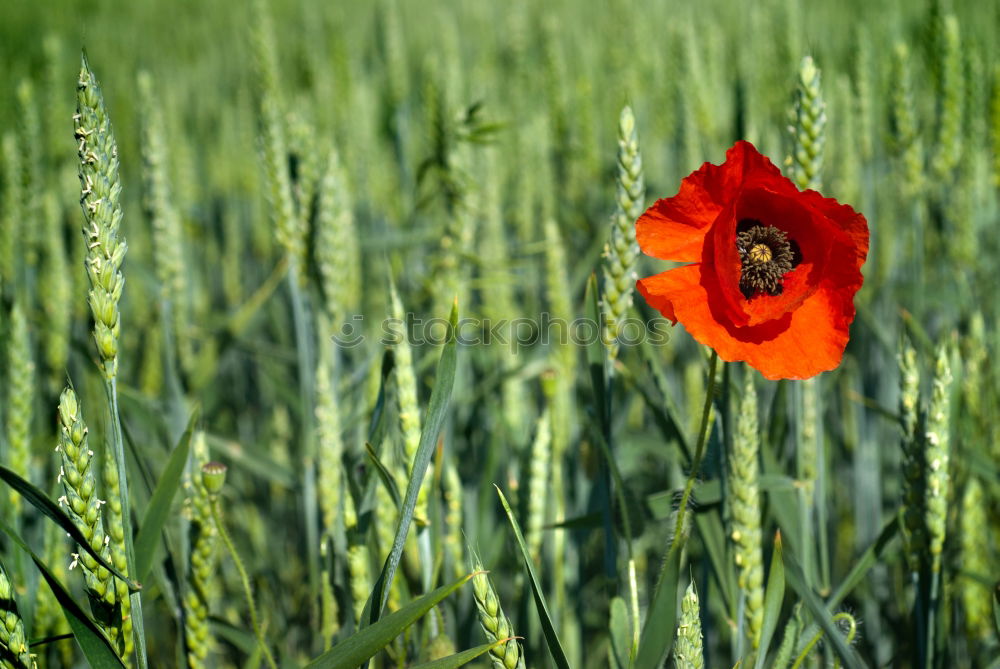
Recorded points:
(11,215)
(100,199)
(975,552)
(55,289)
(744,487)
(808,127)
(688,651)
(914,536)
(13,644)
(79,499)
(288,226)
(907,140)
(161,209)
(622,250)
(949,137)
(494,622)
(203,583)
(539,483)
(337,253)
(20,368)
(936,458)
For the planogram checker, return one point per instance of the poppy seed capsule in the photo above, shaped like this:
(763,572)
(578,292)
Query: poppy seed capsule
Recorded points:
(766,255)
(213,476)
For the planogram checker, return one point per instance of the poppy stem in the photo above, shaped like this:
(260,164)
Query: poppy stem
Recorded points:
(699,452)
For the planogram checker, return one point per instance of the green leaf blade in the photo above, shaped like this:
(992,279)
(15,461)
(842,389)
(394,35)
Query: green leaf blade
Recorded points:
(361,646)
(548,629)
(463,658)
(41,501)
(158,509)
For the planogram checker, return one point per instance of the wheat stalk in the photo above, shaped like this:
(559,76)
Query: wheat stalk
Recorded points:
(202,583)
(54,285)
(114,524)
(337,252)
(744,486)
(20,405)
(906,133)
(937,452)
(915,540)
(539,482)
(975,560)
(949,137)
(287,225)
(11,217)
(31,148)
(161,209)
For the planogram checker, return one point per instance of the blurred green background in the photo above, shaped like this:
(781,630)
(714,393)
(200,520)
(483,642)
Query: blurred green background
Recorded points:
(462,128)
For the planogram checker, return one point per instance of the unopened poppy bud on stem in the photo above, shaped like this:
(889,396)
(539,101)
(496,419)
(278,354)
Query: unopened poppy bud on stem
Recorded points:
(213,475)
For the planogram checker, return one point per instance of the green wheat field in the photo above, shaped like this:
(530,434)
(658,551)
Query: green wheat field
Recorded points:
(307,329)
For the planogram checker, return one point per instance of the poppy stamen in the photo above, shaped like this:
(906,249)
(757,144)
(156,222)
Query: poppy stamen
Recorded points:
(766,256)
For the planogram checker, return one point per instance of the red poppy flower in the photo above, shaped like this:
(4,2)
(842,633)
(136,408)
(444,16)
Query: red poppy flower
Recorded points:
(773,270)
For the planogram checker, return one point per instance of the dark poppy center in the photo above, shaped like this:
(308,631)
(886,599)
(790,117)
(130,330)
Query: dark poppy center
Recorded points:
(766,255)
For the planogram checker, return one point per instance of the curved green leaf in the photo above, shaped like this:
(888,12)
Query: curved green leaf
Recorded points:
(433,421)
(773,598)
(358,648)
(548,629)
(813,602)
(95,646)
(867,560)
(661,619)
(388,480)
(41,501)
(158,509)
(460,659)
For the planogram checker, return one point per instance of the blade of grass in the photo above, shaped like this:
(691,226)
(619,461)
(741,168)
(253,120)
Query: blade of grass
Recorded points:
(796,578)
(773,598)
(548,629)
(713,536)
(867,560)
(41,501)
(361,646)
(618,631)
(661,619)
(383,473)
(437,410)
(460,659)
(95,646)
(603,382)
(158,509)
(654,643)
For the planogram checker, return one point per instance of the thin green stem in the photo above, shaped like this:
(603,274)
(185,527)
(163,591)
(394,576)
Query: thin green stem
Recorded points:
(304,350)
(245,580)
(699,452)
(932,605)
(852,630)
(118,447)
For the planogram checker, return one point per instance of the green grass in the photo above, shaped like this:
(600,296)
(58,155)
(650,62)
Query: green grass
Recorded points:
(279,175)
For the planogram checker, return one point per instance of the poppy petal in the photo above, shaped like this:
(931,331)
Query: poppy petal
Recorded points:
(798,332)
(803,343)
(674,228)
